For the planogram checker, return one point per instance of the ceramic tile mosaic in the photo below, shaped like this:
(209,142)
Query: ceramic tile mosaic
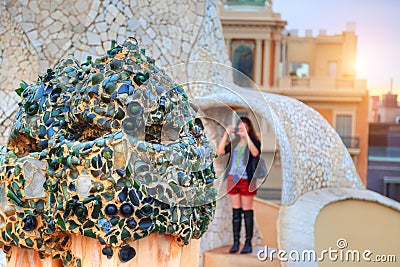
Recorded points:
(109,149)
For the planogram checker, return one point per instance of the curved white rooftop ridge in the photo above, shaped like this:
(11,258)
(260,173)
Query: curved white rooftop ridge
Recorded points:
(296,223)
(312,153)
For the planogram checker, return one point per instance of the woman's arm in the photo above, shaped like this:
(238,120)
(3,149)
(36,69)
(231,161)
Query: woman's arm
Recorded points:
(224,140)
(254,150)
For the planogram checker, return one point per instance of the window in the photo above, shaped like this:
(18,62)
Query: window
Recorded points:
(260,3)
(344,125)
(243,61)
(299,69)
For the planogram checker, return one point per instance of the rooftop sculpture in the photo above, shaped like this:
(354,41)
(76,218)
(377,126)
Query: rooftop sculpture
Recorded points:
(110,149)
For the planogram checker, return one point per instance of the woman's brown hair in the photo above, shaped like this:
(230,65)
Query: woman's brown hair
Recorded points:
(252,132)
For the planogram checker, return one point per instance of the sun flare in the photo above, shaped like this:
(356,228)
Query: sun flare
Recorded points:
(361,67)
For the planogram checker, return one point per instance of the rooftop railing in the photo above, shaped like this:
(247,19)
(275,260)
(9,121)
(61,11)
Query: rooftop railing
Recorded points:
(322,83)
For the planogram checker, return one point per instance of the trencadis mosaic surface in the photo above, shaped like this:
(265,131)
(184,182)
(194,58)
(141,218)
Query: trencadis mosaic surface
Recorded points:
(109,149)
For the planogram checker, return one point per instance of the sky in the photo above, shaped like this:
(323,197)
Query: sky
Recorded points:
(377,28)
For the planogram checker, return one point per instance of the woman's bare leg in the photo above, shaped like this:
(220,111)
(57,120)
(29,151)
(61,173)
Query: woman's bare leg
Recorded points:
(247,202)
(236,201)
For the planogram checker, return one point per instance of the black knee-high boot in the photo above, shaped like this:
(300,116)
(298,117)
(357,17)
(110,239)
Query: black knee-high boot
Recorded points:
(249,224)
(236,225)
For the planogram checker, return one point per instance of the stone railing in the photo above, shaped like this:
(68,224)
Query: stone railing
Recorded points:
(322,83)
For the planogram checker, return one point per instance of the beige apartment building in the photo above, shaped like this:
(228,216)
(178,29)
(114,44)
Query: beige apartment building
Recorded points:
(317,69)
(386,110)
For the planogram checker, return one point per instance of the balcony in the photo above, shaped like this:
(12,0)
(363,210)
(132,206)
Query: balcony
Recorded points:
(351,142)
(331,90)
(322,83)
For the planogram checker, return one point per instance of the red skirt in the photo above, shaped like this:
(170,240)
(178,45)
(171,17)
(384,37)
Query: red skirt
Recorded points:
(241,187)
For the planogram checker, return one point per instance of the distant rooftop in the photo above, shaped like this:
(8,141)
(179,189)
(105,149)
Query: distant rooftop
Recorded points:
(350,27)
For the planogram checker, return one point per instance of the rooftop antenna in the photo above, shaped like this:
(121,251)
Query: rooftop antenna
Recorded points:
(391,85)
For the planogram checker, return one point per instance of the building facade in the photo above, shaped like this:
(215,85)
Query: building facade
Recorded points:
(386,110)
(253,37)
(384,146)
(317,70)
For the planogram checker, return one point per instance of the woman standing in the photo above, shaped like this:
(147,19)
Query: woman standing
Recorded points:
(245,152)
